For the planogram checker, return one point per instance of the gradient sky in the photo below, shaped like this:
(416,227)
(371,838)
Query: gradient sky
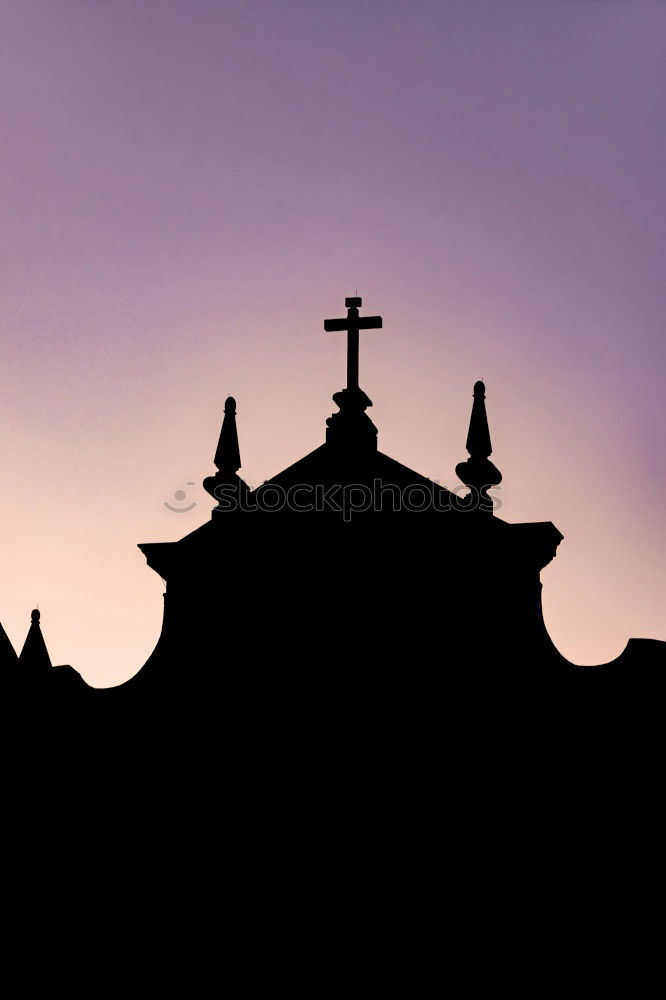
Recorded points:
(188,187)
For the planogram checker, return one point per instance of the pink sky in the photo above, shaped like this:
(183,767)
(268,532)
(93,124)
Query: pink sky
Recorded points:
(189,188)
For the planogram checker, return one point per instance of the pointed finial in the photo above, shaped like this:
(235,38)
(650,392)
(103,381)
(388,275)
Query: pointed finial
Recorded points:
(478,438)
(34,653)
(478,472)
(227,455)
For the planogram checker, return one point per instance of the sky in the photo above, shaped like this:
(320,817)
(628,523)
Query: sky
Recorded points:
(189,187)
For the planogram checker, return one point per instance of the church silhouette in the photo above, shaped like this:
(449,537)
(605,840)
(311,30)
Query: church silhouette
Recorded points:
(348,580)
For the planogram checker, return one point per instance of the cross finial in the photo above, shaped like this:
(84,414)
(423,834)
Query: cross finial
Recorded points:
(352,324)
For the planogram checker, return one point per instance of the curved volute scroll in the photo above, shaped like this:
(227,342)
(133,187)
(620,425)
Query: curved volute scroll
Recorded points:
(226,483)
(478,472)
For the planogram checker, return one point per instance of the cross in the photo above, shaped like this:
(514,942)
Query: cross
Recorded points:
(352,324)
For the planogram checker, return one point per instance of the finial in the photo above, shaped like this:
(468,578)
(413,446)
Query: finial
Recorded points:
(352,428)
(477,472)
(227,455)
(34,653)
(353,323)
(478,439)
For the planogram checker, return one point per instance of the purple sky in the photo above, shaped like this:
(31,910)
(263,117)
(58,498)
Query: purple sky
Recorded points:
(189,188)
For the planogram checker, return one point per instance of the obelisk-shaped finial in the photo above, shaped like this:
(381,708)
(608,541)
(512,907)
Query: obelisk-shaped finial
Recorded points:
(227,455)
(478,472)
(478,437)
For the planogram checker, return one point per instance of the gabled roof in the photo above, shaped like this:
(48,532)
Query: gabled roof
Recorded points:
(326,464)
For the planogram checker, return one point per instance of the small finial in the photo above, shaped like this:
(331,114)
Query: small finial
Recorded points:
(478,439)
(478,472)
(227,455)
(34,616)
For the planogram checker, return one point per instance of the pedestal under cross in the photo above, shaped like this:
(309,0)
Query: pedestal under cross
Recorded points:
(352,324)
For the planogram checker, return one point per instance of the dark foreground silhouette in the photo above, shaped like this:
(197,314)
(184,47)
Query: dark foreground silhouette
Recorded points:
(347,591)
